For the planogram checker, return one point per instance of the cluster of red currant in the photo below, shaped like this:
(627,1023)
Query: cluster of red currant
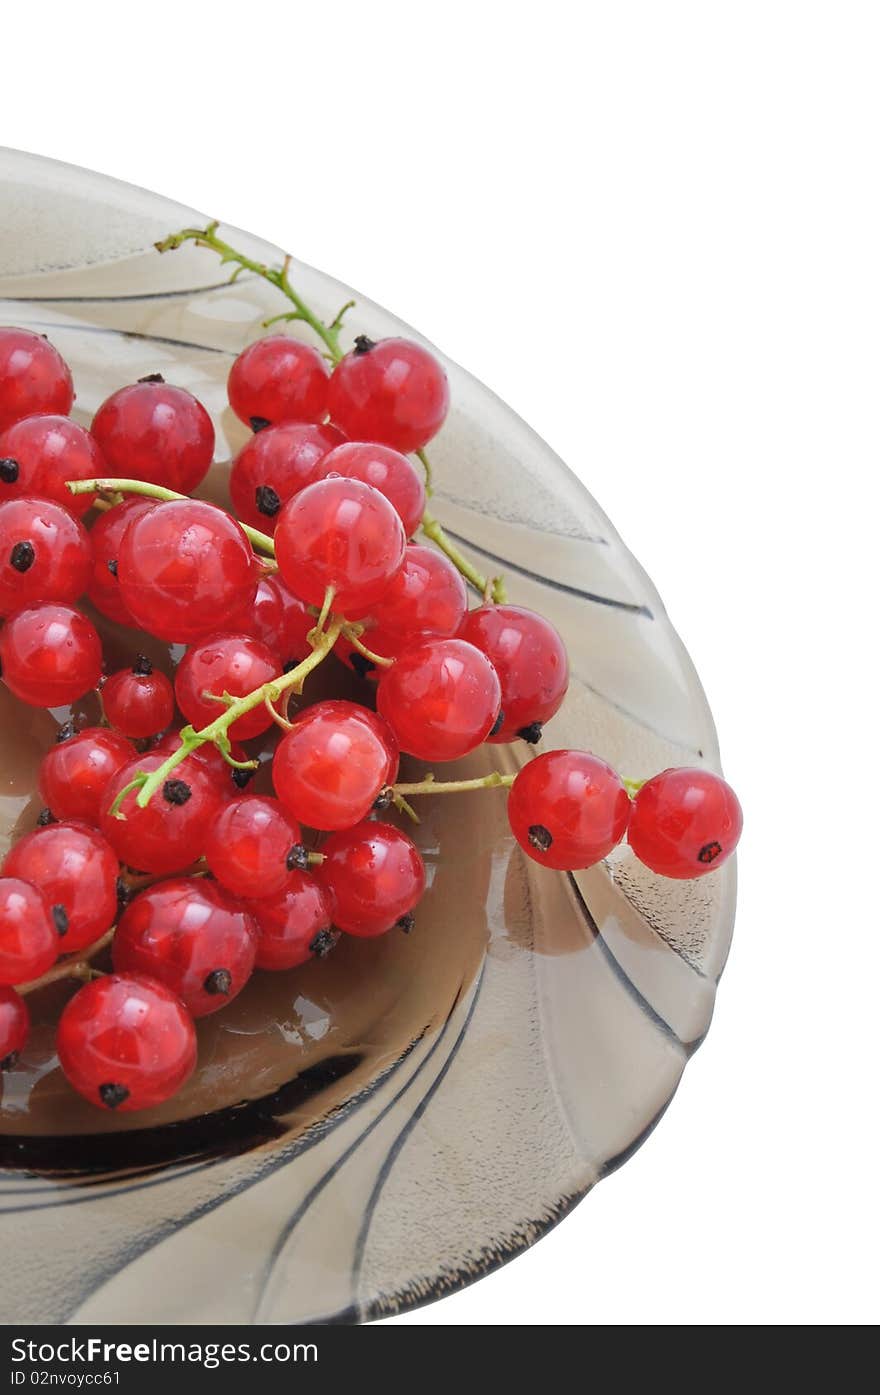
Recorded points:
(149,840)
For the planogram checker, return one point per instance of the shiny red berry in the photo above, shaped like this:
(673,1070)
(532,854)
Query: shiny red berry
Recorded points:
(568,809)
(374,875)
(211,761)
(427,597)
(278,379)
(342,534)
(50,655)
(15,1023)
(106,534)
(74,773)
(29,940)
(182,567)
(34,378)
(126,1042)
(191,937)
(168,833)
(278,619)
(274,465)
(76,870)
(233,664)
(386,470)
(252,846)
(138,701)
(329,768)
(442,698)
(38,455)
(155,432)
(394,392)
(530,660)
(685,822)
(45,554)
(294,924)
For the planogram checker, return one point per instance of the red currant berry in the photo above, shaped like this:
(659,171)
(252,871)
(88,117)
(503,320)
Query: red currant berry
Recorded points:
(74,773)
(33,377)
(275,464)
(394,392)
(294,924)
(191,937)
(278,379)
(182,566)
(126,1042)
(278,619)
(106,534)
(39,454)
(29,941)
(210,759)
(138,701)
(15,1024)
(155,432)
(379,642)
(45,554)
(386,470)
(233,664)
(442,698)
(375,877)
(530,660)
(76,870)
(252,845)
(568,809)
(330,767)
(169,832)
(50,655)
(342,534)
(427,597)
(685,822)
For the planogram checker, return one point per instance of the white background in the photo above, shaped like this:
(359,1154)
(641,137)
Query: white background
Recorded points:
(653,229)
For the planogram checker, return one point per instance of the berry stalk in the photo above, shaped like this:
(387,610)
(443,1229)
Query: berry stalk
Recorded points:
(79,968)
(431,786)
(165,496)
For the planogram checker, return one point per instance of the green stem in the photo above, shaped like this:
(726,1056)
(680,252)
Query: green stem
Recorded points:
(431,786)
(632,787)
(276,276)
(217,731)
(485,586)
(429,474)
(165,496)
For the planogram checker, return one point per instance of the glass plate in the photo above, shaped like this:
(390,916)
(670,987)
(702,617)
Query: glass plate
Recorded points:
(384,1126)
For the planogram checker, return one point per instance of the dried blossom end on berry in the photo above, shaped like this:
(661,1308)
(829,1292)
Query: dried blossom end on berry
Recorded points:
(218,983)
(176,791)
(113,1095)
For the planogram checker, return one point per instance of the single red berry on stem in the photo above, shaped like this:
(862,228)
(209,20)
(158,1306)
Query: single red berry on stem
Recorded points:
(685,822)
(294,923)
(106,534)
(45,554)
(168,833)
(126,1042)
(342,534)
(76,871)
(191,937)
(138,701)
(530,660)
(278,379)
(252,845)
(329,768)
(375,877)
(38,455)
(50,655)
(274,465)
(568,809)
(15,1024)
(386,470)
(427,597)
(74,773)
(29,940)
(442,698)
(394,392)
(182,567)
(233,664)
(153,431)
(34,378)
